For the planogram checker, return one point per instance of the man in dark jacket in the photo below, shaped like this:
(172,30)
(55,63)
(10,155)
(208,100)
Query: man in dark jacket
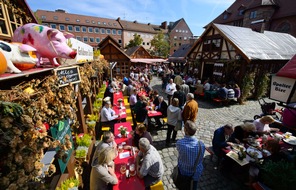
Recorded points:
(180,96)
(162,107)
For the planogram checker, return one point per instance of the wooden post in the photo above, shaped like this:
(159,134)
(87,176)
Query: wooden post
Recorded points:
(80,114)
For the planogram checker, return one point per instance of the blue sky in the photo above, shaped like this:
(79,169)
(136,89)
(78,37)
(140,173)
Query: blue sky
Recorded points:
(197,13)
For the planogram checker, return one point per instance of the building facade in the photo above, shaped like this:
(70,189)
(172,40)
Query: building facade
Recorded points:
(179,34)
(260,15)
(88,29)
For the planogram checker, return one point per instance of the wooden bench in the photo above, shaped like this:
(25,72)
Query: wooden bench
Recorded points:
(209,149)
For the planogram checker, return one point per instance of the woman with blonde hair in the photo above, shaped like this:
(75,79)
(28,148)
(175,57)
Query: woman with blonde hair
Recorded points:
(262,125)
(102,176)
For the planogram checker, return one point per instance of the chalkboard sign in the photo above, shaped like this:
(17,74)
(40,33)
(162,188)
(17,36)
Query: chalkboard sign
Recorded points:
(58,132)
(68,75)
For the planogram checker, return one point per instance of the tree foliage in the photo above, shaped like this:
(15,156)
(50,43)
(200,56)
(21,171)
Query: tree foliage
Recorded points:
(135,42)
(160,45)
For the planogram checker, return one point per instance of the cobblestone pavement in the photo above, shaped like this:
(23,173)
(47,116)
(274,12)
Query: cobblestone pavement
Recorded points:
(210,117)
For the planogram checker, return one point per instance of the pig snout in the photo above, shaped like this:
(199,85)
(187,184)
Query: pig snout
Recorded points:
(73,54)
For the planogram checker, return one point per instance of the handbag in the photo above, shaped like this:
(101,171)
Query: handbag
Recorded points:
(183,182)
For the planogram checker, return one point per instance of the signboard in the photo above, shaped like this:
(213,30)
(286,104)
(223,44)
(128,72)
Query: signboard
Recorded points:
(68,75)
(58,132)
(282,89)
(84,52)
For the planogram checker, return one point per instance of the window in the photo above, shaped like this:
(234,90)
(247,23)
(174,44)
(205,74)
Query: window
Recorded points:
(55,18)
(225,16)
(70,28)
(180,44)
(97,40)
(85,39)
(175,37)
(119,32)
(8,22)
(104,23)
(99,22)
(177,31)
(97,30)
(113,31)
(109,23)
(62,27)
(91,39)
(108,31)
(53,25)
(119,41)
(114,24)
(83,28)
(175,44)
(67,19)
(183,31)
(93,22)
(77,28)
(43,17)
(147,43)
(90,30)
(241,12)
(77,20)
(253,14)
(87,21)
(78,38)
(186,31)
(102,30)
(180,38)
(185,38)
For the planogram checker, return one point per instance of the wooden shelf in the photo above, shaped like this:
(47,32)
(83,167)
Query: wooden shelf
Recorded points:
(8,76)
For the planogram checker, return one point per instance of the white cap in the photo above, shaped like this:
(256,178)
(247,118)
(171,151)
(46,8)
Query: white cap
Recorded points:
(107,99)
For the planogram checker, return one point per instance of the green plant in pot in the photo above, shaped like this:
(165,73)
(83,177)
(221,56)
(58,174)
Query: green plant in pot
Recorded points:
(85,140)
(69,184)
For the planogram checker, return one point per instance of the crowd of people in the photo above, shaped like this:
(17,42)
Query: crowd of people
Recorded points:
(181,111)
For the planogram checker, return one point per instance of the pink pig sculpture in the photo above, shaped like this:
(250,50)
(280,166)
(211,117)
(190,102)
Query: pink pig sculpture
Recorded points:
(50,43)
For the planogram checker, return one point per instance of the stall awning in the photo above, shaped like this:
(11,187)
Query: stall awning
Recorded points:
(289,70)
(148,61)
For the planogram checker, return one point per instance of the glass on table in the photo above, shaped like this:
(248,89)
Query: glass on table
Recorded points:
(120,148)
(122,168)
(132,169)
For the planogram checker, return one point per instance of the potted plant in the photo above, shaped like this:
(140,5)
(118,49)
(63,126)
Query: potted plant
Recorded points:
(69,184)
(84,140)
(123,131)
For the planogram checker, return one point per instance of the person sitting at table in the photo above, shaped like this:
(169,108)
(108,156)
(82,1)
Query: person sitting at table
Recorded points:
(108,116)
(180,96)
(140,131)
(109,91)
(155,98)
(262,125)
(147,88)
(242,132)
(237,91)
(162,107)
(108,140)
(139,103)
(207,85)
(199,88)
(174,121)
(102,176)
(133,98)
(223,92)
(220,139)
(149,163)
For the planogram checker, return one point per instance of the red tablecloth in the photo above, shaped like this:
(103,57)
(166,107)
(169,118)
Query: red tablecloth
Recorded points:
(125,183)
(119,110)
(154,113)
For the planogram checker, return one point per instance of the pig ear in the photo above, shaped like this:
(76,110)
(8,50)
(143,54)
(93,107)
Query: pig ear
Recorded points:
(26,48)
(51,33)
(68,35)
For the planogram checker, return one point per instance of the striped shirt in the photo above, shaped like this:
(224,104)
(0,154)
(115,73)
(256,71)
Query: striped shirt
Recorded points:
(188,149)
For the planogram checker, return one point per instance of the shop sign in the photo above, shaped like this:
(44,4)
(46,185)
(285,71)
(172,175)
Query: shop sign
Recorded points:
(68,75)
(58,132)
(282,89)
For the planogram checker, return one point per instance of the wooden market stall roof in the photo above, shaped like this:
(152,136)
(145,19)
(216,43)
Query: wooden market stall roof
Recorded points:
(138,52)
(252,45)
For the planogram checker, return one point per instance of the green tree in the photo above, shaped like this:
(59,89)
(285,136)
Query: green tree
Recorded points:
(160,45)
(135,42)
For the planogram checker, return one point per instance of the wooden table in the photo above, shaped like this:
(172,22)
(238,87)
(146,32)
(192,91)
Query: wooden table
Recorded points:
(125,183)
